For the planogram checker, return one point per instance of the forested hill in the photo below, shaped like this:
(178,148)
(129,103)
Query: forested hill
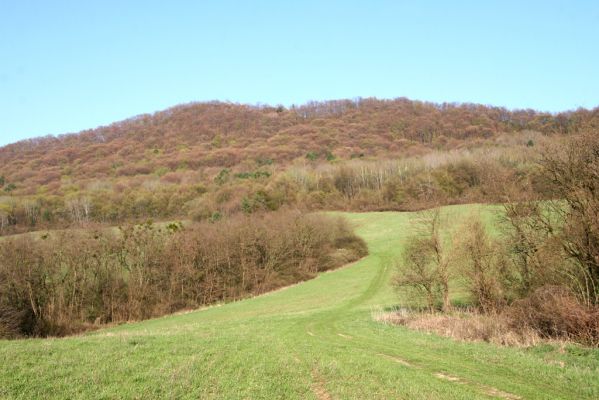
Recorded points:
(224,135)
(207,160)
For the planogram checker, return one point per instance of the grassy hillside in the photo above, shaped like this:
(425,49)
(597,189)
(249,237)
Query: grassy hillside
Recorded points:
(313,340)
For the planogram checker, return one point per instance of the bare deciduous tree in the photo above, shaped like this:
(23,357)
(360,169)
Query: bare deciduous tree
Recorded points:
(574,172)
(483,265)
(426,265)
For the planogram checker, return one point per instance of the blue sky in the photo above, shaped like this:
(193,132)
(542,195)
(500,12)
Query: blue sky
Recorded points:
(71,65)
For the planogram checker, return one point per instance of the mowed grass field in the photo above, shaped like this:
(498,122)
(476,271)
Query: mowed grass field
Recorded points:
(315,340)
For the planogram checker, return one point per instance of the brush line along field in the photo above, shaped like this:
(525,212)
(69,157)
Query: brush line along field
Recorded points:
(314,340)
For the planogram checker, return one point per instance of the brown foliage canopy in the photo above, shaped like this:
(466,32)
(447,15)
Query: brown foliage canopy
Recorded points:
(70,281)
(154,165)
(225,135)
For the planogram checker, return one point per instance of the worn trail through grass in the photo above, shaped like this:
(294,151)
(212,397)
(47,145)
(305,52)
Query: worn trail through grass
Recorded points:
(315,340)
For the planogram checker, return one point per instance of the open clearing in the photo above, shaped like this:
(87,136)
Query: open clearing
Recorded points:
(315,340)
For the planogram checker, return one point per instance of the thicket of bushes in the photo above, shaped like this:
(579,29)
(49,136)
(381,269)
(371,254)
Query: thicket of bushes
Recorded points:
(542,271)
(65,282)
(466,176)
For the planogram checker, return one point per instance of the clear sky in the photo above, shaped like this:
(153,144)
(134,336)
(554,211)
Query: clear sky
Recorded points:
(71,65)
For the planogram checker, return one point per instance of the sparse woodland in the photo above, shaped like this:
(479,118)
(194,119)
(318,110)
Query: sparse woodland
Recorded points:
(540,272)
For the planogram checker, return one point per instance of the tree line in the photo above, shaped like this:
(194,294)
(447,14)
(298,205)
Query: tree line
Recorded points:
(65,282)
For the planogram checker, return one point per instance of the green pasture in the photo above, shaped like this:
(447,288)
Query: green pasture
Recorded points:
(314,340)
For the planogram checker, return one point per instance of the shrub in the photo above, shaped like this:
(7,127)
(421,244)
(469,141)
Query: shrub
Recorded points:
(483,266)
(417,271)
(574,171)
(426,265)
(555,312)
(223,176)
(312,156)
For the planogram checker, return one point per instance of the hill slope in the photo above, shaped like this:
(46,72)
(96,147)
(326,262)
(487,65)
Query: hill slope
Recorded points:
(219,135)
(201,160)
(313,340)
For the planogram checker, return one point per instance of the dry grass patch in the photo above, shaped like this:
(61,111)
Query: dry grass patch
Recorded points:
(464,326)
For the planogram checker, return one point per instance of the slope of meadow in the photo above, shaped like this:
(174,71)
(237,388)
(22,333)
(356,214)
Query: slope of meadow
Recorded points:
(312,340)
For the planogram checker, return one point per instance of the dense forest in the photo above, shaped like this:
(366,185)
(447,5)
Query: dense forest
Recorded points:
(207,160)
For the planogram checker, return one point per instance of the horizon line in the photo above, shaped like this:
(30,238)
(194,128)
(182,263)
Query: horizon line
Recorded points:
(260,105)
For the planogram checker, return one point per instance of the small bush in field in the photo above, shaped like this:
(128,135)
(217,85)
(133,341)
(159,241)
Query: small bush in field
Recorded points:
(223,176)
(312,156)
(216,216)
(554,312)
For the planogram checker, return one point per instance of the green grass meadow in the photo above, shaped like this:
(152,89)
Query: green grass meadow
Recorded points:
(314,340)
